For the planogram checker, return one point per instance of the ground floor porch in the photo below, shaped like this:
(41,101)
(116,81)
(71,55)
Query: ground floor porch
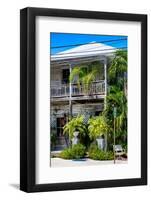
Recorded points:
(60,114)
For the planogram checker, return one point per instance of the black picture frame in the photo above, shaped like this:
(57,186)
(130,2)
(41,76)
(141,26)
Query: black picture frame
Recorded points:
(28,98)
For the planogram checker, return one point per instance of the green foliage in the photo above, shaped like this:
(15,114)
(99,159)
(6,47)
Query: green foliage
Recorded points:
(75,152)
(97,127)
(117,97)
(87,81)
(78,151)
(118,68)
(79,72)
(53,140)
(96,154)
(86,75)
(66,154)
(75,124)
(93,147)
(84,138)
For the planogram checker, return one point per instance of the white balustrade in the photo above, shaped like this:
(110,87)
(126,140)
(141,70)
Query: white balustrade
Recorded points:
(63,90)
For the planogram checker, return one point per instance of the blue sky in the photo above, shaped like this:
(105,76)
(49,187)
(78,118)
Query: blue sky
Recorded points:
(67,39)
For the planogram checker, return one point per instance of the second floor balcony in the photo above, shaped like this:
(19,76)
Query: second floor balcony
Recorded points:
(73,90)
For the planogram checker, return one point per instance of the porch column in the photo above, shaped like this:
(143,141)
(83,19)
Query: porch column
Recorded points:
(105,81)
(70,93)
(105,93)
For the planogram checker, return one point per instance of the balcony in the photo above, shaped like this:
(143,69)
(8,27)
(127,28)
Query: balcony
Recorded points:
(63,90)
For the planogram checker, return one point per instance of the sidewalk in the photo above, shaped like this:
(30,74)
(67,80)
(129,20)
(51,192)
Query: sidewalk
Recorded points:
(58,162)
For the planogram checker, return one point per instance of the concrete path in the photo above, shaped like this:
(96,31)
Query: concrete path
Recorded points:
(58,162)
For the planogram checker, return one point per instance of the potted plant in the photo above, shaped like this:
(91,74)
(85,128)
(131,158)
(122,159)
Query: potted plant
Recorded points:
(75,129)
(98,127)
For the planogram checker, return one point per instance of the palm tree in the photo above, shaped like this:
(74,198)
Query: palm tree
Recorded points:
(79,72)
(117,96)
(118,69)
(86,75)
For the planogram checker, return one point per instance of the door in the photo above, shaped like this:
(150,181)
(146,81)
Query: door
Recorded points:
(60,125)
(65,76)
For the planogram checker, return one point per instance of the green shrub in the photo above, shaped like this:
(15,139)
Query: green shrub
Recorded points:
(66,154)
(96,154)
(93,147)
(75,152)
(78,151)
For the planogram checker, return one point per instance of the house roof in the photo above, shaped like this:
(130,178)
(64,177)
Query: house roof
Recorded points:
(86,50)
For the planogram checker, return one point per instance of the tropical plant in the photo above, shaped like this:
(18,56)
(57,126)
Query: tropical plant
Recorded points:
(96,154)
(78,71)
(86,75)
(117,96)
(121,120)
(118,69)
(97,127)
(75,152)
(66,154)
(75,124)
(78,151)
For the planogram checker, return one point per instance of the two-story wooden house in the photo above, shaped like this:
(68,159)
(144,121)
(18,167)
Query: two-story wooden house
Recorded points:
(67,98)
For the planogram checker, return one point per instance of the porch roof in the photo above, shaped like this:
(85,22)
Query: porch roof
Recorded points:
(87,50)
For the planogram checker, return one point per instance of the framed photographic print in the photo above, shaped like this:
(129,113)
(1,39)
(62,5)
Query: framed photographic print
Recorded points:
(83,99)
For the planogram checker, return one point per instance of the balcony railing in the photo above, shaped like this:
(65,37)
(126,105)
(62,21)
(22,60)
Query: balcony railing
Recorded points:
(63,90)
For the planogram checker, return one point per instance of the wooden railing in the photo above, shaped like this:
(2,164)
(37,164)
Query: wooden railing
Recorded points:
(63,90)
